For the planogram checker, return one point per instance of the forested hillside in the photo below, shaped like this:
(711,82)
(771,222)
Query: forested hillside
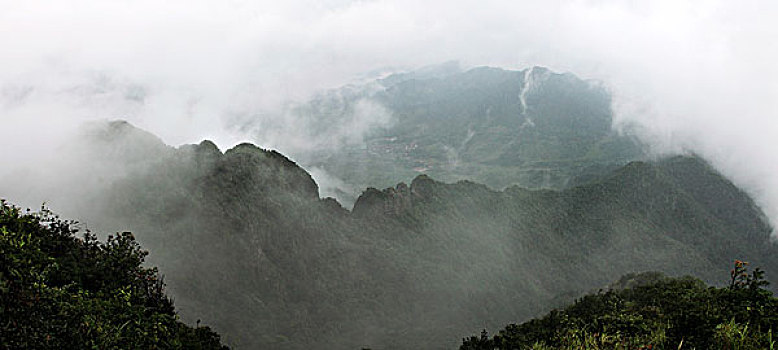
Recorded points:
(652,311)
(60,291)
(248,246)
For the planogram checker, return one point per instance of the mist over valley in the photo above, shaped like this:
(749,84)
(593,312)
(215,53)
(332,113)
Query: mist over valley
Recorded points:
(327,177)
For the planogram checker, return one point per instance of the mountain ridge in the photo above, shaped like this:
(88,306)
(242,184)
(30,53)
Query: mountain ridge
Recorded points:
(249,245)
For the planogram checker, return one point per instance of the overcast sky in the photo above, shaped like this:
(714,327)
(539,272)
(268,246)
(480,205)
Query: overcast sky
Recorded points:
(694,75)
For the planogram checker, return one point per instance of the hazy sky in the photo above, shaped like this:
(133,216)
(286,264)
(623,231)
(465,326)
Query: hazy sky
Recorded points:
(695,75)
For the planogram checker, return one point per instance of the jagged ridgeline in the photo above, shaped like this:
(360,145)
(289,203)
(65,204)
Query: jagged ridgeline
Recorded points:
(248,246)
(533,128)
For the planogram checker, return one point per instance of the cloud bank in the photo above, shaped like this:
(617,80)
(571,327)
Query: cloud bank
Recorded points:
(693,76)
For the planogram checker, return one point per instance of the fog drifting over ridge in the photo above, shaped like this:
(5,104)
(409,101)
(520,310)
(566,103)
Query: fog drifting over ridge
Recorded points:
(696,76)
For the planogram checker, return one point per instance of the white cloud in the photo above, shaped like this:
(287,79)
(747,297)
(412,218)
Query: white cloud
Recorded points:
(696,74)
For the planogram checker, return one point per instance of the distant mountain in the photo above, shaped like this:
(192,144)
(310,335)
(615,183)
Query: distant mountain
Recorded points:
(249,247)
(533,128)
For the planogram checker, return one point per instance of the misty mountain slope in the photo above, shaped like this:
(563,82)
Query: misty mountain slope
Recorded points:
(249,236)
(248,246)
(613,218)
(534,128)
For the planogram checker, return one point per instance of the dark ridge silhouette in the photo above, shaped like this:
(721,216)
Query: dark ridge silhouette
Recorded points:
(248,245)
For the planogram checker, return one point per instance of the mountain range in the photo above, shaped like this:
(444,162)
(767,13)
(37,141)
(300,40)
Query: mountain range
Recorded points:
(248,245)
(556,205)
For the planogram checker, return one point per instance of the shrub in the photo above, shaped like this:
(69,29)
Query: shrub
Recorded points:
(665,313)
(60,291)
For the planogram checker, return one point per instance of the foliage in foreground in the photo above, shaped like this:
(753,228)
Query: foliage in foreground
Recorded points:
(59,291)
(658,313)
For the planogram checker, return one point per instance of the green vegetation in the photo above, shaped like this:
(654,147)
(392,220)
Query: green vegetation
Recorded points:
(654,312)
(59,291)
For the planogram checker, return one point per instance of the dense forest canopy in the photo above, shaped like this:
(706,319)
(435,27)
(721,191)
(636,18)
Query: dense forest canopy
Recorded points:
(61,291)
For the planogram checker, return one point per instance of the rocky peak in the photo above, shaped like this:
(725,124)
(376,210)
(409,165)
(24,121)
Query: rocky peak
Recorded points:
(394,201)
(267,171)
(120,141)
